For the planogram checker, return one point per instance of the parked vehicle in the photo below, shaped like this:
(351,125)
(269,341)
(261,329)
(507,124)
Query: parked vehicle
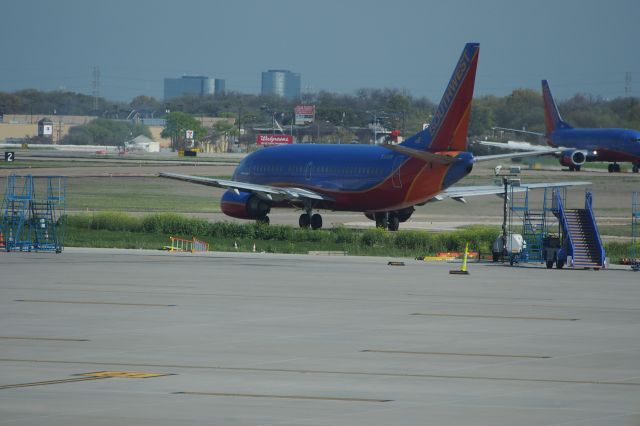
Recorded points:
(511,250)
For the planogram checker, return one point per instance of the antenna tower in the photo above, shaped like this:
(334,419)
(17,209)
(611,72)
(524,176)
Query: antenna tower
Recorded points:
(96,88)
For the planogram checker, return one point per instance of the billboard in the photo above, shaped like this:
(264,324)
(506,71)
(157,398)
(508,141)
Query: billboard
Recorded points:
(274,139)
(305,114)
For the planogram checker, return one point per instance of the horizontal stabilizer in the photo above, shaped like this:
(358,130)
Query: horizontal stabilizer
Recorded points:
(422,155)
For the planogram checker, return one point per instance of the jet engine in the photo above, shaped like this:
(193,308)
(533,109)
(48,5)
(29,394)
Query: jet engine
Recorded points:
(244,205)
(573,158)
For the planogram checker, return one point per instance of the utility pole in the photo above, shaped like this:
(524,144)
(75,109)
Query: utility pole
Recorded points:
(508,180)
(627,84)
(96,89)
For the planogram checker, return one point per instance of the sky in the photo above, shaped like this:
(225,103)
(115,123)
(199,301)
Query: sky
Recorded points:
(580,46)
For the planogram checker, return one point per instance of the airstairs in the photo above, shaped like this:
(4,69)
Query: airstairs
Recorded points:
(582,246)
(29,222)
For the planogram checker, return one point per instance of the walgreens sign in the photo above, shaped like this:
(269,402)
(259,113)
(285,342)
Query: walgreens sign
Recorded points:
(274,139)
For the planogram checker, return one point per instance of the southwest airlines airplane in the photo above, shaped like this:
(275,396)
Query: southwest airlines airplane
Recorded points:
(577,146)
(384,182)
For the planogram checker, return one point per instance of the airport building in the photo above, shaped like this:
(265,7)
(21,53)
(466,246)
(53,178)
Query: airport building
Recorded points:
(196,85)
(282,83)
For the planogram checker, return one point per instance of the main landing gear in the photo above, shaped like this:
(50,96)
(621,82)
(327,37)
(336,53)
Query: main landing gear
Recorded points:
(307,219)
(388,220)
(635,168)
(615,168)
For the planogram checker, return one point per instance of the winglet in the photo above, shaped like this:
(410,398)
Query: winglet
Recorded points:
(448,128)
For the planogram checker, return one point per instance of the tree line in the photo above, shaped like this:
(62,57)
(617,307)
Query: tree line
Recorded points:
(393,109)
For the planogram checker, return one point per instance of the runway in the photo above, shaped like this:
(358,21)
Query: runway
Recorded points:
(104,337)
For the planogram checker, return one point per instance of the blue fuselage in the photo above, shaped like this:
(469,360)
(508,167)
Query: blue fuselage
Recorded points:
(600,144)
(355,177)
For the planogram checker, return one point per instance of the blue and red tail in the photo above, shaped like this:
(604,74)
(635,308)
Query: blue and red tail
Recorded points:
(448,128)
(552,117)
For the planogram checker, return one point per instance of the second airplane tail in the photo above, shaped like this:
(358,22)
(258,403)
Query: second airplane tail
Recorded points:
(449,125)
(552,118)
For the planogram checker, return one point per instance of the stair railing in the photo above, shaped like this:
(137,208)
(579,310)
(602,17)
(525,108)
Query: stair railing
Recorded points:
(588,206)
(568,241)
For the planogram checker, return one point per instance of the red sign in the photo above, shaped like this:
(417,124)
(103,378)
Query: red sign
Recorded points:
(305,114)
(305,109)
(274,139)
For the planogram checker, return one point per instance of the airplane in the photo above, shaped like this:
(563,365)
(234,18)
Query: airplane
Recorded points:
(576,146)
(385,182)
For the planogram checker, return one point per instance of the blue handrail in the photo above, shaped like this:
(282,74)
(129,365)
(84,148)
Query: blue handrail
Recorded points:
(565,226)
(588,206)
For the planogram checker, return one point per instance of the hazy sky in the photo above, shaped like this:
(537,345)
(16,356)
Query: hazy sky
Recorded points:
(580,46)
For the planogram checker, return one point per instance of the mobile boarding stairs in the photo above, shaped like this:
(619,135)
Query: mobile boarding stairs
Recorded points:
(581,245)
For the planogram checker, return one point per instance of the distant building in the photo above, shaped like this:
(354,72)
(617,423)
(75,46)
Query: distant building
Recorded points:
(281,83)
(219,86)
(45,128)
(196,85)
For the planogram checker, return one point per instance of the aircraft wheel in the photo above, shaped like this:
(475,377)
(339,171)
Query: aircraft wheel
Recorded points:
(394,222)
(304,220)
(572,168)
(316,221)
(610,168)
(263,220)
(578,168)
(616,168)
(549,264)
(381,221)
(635,168)
(560,264)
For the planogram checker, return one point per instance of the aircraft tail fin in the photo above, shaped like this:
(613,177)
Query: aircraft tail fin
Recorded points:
(552,118)
(449,125)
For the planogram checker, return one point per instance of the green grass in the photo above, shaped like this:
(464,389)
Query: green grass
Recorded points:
(137,195)
(120,230)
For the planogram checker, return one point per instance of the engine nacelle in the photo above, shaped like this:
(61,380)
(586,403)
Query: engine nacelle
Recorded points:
(403,215)
(572,158)
(243,205)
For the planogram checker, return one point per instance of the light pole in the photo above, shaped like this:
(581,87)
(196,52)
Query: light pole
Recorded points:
(508,180)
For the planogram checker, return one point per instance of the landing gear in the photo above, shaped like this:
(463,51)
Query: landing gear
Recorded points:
(264,220)
(382,220)
(615,168)
(394,222)
(574,168)
(389,220)
(635,168)
(304,221)
(316,221)
(307,219)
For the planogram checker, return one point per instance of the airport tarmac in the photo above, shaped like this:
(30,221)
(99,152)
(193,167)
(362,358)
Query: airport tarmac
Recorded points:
(261,339)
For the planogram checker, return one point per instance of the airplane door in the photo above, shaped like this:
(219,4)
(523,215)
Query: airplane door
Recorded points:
(396,179)
(307,172)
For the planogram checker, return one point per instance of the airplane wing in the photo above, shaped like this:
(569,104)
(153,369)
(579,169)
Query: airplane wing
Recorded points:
(267,192)
(521,146)
(459,193)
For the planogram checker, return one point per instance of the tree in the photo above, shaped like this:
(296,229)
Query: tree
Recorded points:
(105,132)
(147,105)
(176,127)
